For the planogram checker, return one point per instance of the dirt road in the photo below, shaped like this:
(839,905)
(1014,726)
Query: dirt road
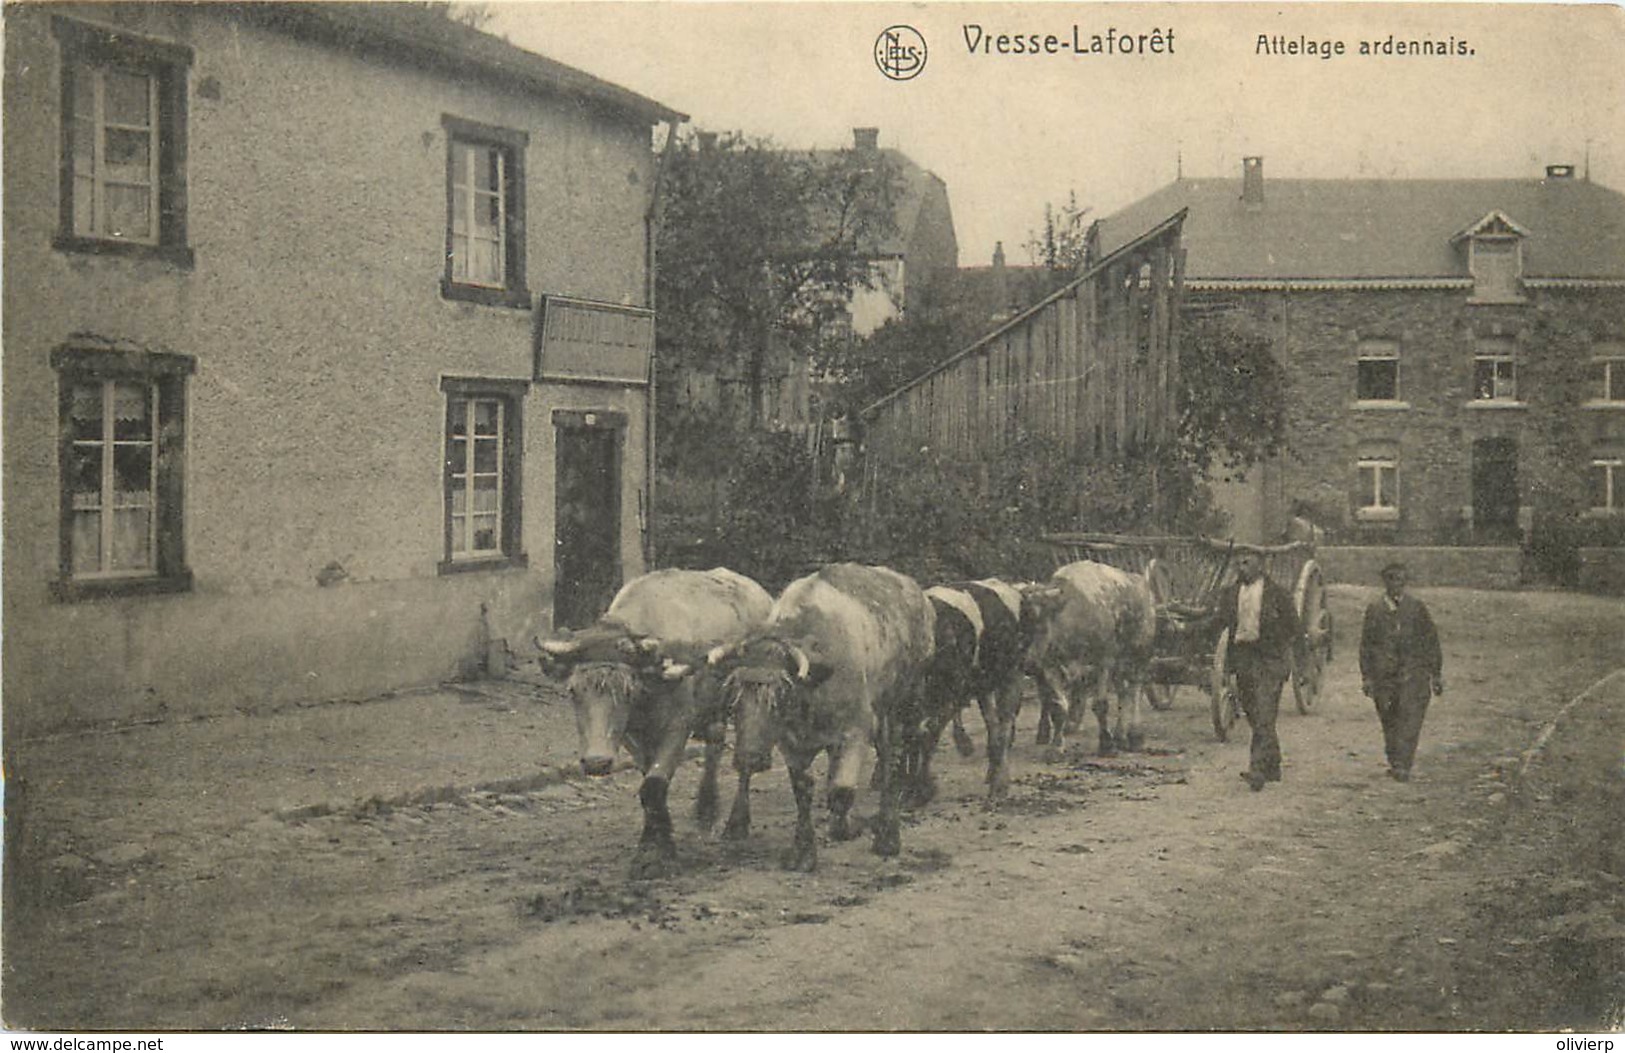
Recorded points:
(1144,892)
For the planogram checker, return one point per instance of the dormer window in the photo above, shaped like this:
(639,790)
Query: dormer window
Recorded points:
(1495,258)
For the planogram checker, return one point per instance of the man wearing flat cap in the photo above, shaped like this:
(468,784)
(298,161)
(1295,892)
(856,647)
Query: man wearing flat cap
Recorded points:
(1400,666)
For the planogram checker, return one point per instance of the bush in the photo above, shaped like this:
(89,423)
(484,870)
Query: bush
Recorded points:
(1552,552)
(941,520)
(746,501)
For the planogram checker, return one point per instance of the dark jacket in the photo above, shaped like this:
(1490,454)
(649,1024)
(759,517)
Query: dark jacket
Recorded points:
(1280,637)
(1398,644)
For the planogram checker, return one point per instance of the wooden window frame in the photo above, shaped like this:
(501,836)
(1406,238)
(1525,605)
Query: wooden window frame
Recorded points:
(1377,351)
(1610,364)
(166,376)
(511,146)
(1502,354)
(510,395)
(103,49)
(1613,467)
(1487,278)
(1373,511)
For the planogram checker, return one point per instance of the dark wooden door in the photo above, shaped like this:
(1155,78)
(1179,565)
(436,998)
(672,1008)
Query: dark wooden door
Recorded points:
(1495,489)
(587,532)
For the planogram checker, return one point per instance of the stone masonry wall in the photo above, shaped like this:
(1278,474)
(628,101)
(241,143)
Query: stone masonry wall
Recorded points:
(1436,422)
(316,212)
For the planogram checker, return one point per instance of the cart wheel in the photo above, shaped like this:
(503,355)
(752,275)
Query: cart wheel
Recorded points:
(1309,597)
(1222,691)
(1161,696)
(1160,581)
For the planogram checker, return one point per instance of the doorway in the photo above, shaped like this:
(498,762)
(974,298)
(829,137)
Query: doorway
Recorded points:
(1495,490)
(587,515)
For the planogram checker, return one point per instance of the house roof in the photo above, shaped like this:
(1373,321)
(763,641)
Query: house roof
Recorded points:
(1380,228)
(915,186)
(427,37)
(987,293)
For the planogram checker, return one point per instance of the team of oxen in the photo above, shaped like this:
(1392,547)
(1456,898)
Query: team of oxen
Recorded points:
(848,660)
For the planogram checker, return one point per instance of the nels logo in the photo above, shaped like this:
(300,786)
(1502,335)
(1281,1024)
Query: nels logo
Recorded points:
(900,52)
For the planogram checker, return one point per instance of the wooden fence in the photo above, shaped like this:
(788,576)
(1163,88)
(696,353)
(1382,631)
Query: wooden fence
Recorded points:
(1094,368)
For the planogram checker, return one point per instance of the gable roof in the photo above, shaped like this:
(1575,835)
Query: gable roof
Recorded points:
(916,186)
(1380,228)
(1495,224)
(424,37)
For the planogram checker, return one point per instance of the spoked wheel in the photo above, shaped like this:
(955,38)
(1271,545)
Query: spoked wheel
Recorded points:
(1161,696)
(1222,691)
(1309,596)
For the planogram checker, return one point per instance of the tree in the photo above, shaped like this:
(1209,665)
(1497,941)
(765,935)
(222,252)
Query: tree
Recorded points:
(1063,247)
(938,323)
(471,13)
(1233,393)
(760,246)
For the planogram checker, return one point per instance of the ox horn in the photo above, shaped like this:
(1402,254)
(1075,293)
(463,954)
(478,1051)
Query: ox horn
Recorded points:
(720,653)
(638,649)
(803,663)
(560,648)
(675,670)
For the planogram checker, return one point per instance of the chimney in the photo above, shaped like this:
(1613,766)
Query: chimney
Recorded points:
(1001,280)
(866,140)
(1252,182)
(1559,172)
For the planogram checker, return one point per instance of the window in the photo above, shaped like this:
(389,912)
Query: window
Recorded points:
(1377,489)
(1607,484)
(122,439)
(1497,265)
(482,458)
(1495,371)
(123,152)
(485,214)
(1377,371)
(1608,374)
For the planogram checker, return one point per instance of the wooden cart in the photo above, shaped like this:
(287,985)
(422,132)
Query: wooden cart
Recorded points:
(1186,575)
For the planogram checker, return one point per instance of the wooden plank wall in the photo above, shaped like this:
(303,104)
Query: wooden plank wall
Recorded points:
(1095,368)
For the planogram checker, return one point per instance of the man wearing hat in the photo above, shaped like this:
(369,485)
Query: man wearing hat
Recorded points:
(1400,667)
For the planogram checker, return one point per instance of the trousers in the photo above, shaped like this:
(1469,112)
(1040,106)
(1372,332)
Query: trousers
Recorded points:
(1402,704)
(1259,680)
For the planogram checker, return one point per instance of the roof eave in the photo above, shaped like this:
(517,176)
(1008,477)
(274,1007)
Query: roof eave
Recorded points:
(526,69)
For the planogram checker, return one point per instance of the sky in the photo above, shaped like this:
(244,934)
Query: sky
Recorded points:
(1009,133)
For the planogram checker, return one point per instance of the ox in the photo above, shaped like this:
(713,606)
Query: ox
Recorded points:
(981,644)
(637,677)
(1094,634)
(838,666)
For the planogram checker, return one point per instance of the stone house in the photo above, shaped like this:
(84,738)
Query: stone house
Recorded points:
(1455,347)
(327,338)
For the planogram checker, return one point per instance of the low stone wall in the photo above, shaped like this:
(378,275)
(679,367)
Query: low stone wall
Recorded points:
(1464,567)
(1603,570)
